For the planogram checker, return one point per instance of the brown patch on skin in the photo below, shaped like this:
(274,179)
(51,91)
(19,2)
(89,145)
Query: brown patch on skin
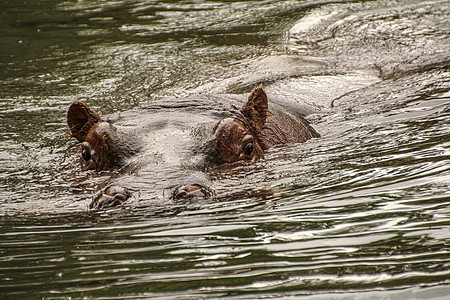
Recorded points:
(234,142)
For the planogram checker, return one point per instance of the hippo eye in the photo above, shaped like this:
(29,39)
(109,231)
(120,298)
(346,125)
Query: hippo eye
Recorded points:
(248,149)
(86,155)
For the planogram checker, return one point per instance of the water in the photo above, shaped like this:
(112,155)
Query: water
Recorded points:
(361,213)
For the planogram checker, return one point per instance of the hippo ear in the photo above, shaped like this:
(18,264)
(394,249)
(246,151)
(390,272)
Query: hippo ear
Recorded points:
(255,110)
(80,119)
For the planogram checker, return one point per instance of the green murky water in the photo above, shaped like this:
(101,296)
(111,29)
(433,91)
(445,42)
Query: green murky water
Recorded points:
(361,213)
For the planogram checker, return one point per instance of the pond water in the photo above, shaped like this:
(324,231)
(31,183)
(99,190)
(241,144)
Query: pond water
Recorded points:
(361,213)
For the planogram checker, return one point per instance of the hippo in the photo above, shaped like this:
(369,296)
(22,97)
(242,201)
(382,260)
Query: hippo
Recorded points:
(187,136)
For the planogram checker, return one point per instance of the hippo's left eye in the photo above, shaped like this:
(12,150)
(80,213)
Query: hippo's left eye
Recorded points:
(248,149)
(86,155)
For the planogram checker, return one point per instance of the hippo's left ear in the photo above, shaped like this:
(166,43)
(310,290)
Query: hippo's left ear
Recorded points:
(80,119)
(255,110)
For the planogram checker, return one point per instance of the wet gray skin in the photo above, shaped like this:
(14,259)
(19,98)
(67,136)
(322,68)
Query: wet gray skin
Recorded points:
(182,139)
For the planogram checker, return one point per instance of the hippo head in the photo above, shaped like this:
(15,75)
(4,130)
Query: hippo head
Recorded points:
(234,138)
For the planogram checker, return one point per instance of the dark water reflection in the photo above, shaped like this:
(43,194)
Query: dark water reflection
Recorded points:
(360,213)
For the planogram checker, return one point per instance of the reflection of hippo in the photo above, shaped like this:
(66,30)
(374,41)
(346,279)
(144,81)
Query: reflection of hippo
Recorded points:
(215,133)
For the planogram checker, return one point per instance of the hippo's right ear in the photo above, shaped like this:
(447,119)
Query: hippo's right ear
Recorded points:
(80,119)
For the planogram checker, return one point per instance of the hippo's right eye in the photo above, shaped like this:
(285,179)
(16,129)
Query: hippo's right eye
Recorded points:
(86,155)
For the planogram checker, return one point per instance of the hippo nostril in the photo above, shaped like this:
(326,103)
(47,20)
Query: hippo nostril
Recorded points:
(180,194)
(119,193)
(110,197)
(192,191)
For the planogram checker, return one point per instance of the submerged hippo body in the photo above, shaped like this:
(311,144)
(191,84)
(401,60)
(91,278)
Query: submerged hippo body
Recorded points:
(181,139)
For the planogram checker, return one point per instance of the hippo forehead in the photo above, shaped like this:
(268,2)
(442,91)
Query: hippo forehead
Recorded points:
(231,130)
